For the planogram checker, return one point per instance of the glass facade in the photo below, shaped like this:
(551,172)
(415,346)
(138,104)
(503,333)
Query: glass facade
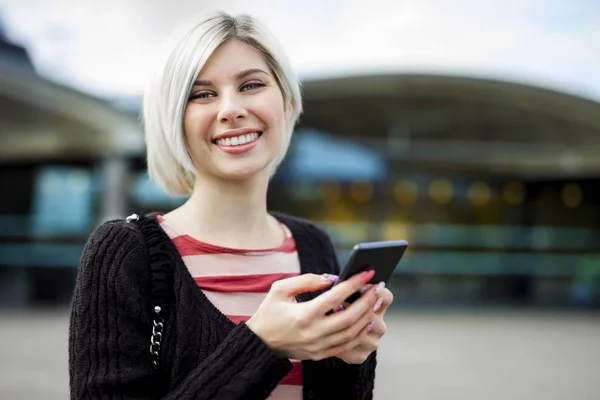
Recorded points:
(472,239)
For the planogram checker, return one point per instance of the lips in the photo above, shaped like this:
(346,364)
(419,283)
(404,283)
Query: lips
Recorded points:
(238,140)
(235,133)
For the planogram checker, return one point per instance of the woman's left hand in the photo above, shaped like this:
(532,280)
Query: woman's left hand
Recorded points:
(370,338)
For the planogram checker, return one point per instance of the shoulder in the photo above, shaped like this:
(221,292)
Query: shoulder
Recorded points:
(115,248)
(113,275)
(113,238)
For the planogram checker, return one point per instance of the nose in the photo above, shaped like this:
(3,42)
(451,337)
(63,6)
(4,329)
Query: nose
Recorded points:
(231,108)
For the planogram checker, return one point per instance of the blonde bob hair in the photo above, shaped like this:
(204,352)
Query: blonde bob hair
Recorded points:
(166,97)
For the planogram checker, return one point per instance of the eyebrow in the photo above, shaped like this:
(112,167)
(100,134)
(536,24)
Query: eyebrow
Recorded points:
(239,76)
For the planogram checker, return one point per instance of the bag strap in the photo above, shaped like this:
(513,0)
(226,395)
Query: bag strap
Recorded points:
(160,280)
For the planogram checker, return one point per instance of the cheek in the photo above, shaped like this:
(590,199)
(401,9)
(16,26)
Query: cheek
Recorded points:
(195,123)
(273,114)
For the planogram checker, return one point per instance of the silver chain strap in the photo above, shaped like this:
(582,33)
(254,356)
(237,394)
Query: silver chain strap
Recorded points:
(156,338)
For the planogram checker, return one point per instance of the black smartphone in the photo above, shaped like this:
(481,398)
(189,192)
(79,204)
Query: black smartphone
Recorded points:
(382,257)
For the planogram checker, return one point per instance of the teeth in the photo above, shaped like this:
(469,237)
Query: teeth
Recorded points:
(238,140)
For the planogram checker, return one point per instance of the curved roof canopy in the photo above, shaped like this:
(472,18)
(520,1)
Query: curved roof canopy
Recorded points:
(460,124)
(41,120)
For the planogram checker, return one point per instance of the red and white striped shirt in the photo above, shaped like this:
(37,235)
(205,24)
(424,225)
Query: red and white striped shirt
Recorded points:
(236,281)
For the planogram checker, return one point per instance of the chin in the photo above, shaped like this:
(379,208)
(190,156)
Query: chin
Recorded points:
(245,172)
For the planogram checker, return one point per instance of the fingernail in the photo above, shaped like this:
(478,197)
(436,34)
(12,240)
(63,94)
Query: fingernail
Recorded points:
(368,276)
(379,290)
(363,289)
(330,278)
(371,325)
(377,305)
(339,307)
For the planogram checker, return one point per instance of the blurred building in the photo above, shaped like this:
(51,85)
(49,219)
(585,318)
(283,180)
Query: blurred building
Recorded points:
(63,155)
(494,184)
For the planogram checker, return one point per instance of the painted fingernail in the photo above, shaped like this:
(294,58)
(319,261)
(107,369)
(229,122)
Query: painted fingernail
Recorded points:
(330,278)
(368,276)
(339,307)
(371,325)
(377,305)
(363,289)
(379,290)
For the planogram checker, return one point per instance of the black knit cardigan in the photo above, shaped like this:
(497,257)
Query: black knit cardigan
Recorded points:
(204,355)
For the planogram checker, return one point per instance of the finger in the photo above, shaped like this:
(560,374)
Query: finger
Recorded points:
(350,333)
(291,287)
(379,327)
(350,345)
(384,301)
(380,306)
(364,288)
(341,307)
(368,345)
(342,320)
(340,292)
(344,305)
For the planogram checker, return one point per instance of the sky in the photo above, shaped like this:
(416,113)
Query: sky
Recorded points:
(106,48)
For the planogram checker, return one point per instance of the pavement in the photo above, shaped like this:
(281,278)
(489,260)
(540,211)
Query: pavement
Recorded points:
(425,355)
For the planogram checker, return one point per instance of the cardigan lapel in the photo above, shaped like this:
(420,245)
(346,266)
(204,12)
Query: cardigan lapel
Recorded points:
(307,247)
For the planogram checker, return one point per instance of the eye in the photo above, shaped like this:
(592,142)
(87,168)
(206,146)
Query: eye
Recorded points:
(201,95)
(251,86)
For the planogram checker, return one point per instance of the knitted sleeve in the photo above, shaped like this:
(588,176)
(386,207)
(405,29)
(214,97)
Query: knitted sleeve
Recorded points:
(109,334)
(363,375)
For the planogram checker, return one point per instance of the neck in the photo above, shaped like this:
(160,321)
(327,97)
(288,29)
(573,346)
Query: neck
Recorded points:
(230,214)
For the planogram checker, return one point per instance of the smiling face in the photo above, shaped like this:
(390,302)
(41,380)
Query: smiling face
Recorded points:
(235,119)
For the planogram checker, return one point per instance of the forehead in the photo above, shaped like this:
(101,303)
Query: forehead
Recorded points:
(232,57)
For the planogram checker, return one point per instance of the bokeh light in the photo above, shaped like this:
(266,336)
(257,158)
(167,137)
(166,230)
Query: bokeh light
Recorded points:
(406,192)
(441,191)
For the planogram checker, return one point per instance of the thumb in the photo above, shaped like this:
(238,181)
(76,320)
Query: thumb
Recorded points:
(290,287)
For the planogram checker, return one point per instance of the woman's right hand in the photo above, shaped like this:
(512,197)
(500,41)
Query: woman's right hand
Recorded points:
(304,331)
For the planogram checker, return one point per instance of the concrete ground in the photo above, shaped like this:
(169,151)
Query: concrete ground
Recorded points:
(425,355)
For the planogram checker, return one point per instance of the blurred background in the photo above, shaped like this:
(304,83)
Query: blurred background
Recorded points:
(469,128)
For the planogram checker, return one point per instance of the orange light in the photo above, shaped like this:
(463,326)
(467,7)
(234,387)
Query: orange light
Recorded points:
(406,192)
(441,191)
(572,195)
(395,231)
(479,194)
(361,192)
(514,193)
(330,192)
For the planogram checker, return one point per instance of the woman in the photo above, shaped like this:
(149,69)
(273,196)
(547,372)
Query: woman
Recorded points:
(249,300)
